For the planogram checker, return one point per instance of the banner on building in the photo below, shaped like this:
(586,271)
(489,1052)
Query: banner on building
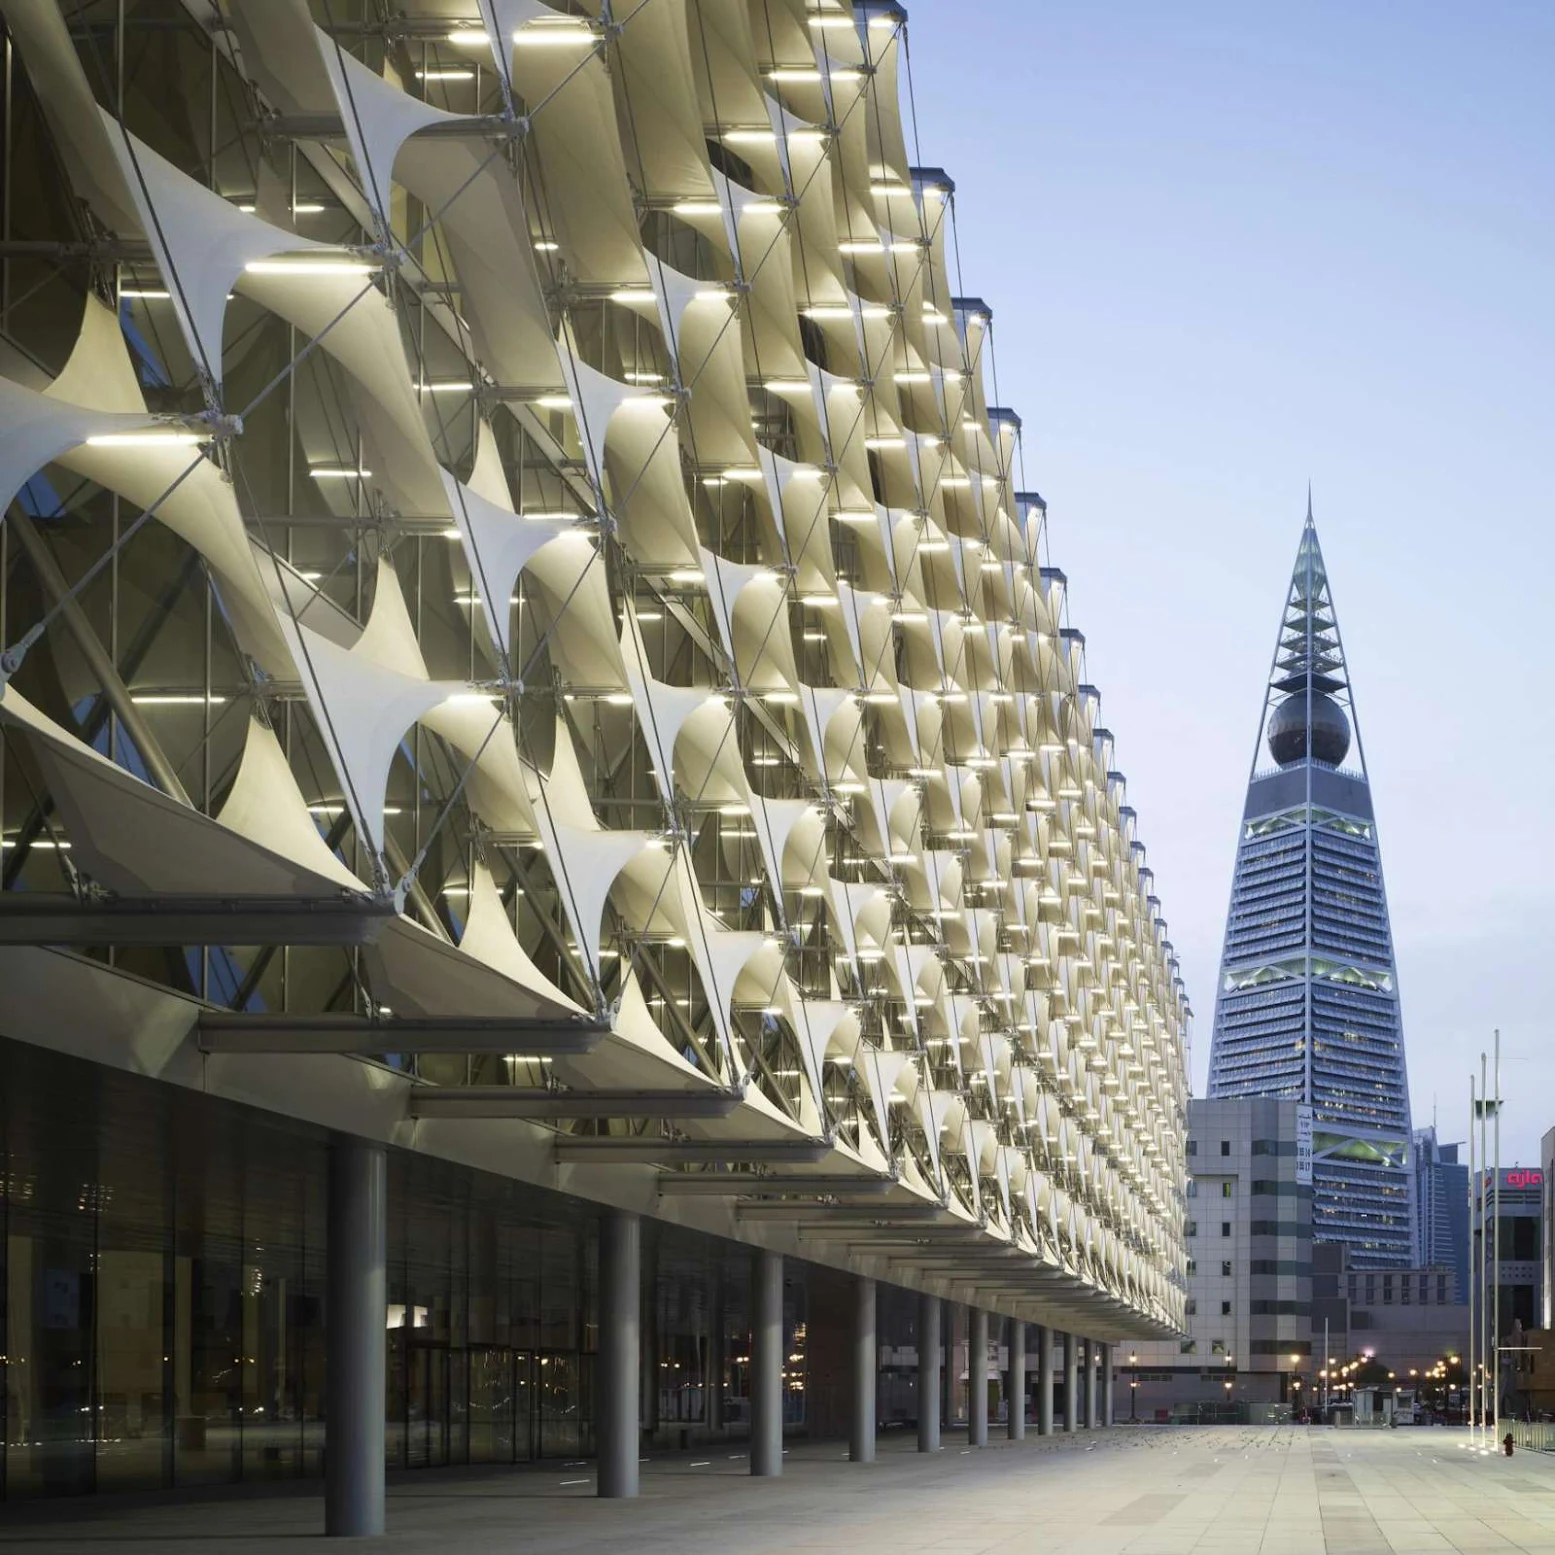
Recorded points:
(1304,1145)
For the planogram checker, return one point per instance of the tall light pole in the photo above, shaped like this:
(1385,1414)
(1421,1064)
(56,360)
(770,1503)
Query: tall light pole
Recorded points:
(1328,1368)
(1474,1187)
(1484,1252)
(1133,1385)
(1495,1273)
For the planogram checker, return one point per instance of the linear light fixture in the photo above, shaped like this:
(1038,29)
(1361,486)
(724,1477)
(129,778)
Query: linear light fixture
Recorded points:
(807,74)
(150,439)
(176,699)
(544,33)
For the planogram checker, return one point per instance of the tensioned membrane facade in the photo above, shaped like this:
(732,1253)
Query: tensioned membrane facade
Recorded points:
(525,637)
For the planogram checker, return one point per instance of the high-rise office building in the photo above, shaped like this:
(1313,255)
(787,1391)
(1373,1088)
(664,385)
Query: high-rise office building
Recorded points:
(1441,1208)
(1307,1005)
(1509,1210)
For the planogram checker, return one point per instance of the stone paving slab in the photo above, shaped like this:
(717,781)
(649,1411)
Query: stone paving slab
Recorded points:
(1142,1490)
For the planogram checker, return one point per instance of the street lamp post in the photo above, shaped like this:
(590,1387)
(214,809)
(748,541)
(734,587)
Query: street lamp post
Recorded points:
(1133,1385)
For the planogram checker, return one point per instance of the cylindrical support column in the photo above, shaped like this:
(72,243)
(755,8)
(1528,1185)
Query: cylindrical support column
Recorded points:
(928,1373)
(1106,1384)
(767,1366)
(715,1351)
(1071,1383)
(619,1367)
(648,1388)
(977,1377)
(356,1323)
(947,1364)
(861,1437)
(1015,1383)
(1089,1390)
(1044,1381)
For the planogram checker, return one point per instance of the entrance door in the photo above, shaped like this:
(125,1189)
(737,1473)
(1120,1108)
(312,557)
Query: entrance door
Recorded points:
(426,1443)
(499,1404)
(565,1381)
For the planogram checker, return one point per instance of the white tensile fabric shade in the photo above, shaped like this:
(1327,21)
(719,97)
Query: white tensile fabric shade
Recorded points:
(620,557)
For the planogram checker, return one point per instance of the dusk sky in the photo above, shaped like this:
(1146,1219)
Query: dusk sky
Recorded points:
(1230,248)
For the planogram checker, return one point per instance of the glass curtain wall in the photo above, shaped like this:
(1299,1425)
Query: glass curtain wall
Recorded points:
(162,1300)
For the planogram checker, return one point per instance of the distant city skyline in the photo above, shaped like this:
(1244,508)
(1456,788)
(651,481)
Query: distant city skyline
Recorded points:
(1228,251)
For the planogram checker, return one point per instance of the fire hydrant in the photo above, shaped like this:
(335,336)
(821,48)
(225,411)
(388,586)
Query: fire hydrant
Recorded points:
(1506,1444)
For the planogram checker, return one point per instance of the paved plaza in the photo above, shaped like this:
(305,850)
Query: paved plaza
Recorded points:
(1129,1491)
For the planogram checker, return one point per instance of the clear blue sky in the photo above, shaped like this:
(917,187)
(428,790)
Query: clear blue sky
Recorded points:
(1229,247)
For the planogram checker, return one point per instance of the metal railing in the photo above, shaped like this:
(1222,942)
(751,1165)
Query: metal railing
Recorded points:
(1533,1435)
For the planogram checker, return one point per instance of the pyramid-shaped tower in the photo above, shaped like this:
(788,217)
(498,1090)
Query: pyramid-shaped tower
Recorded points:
(1307,1005)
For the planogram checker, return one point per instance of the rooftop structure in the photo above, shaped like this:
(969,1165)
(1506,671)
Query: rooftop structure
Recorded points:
(1307,1006)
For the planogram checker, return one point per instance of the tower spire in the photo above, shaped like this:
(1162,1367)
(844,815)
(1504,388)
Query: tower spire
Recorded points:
(1309,501)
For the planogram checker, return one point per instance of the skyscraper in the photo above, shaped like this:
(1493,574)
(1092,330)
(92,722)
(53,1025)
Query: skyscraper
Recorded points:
(1441,1208)
(1307,1005)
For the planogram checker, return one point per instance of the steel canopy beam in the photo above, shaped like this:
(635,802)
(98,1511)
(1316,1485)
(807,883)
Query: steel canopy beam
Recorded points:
(221,1032)
(912,1238)
(725,1184)
(601,1151)
(28,918)
(507,1101)
(840,1214)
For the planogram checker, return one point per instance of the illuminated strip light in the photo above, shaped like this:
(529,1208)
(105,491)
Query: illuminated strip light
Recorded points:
(176,699)
(769,137)
(808,74)
(704,208)
(560,33)
(146,439)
